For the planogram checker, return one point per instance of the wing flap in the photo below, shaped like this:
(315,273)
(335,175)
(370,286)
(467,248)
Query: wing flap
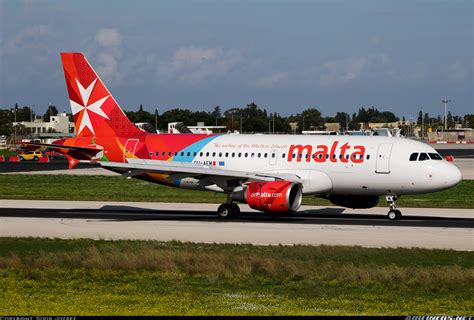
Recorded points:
(140,166)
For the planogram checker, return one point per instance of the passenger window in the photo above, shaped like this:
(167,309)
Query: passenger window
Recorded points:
(258,155)
(435,156)
(195,153)
(207,154)
(414,156)
(283,155)
(175,154)
(220,154)
(265,155)
(169,153)
(246,154)
(273,155)
(226,154)
(200,154)
(233,154)
(240,154)
(253,154)
(151,154)
(189,153)
(368,156)
(213,154)
(182,154)
(157,153)
(423,157)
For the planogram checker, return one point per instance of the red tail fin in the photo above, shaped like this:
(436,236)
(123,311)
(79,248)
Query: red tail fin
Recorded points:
(96,113)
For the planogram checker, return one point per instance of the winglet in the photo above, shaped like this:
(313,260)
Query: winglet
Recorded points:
(72,162)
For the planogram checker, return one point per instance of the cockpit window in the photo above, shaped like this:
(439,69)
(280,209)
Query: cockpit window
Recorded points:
(423,156)
(413,156)
(435,156)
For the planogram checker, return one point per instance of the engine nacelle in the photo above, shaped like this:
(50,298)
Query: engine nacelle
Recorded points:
(276,196)
(354,201)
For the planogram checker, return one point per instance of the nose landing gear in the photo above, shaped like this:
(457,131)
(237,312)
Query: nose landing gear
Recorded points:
(394,213)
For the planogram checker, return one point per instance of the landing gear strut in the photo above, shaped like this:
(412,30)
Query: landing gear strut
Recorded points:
(228,210)
(394,213)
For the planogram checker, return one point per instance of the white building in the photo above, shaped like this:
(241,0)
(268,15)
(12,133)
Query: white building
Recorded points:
(59,123)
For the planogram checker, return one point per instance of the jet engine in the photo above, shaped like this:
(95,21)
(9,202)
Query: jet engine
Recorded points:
(354,201)
(276,196)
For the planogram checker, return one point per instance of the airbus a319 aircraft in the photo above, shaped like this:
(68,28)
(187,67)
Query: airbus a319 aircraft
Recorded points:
(270,173)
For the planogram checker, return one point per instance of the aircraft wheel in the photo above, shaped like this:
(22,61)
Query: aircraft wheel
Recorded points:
(224,211)
(22,159)
(35,158)
(235,209)
(394,215)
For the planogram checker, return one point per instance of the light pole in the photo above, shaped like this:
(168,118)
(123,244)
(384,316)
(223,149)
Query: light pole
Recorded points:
(273,123)
(445,101)
(422,125)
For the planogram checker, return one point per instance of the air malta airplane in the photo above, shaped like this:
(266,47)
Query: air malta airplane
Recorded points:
(270,173)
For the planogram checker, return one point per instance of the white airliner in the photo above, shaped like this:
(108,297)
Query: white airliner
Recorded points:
(270,173)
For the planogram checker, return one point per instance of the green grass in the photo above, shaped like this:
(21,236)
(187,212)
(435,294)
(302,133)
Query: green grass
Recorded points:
(87,277)
(100,188)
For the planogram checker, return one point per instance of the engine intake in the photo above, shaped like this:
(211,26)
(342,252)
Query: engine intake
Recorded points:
(276,196)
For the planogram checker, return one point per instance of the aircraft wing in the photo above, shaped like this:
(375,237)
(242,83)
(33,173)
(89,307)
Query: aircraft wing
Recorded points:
(187,169)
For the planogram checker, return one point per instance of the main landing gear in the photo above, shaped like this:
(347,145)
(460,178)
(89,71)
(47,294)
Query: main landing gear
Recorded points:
(394,213)
(228,210)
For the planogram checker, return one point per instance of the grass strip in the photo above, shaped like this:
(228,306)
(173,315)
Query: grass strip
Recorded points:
(103,188)
(86,277)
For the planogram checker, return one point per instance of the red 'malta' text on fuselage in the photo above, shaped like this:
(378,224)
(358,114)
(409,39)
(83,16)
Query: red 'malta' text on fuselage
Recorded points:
(323,153)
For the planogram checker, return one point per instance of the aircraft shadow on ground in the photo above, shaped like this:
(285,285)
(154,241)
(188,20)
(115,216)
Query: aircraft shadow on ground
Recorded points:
(330,216)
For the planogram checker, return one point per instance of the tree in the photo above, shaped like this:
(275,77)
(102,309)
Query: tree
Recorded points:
(51,111)
(468,119)
(6,119)
(420,118)
(217,112)
(449,119)
(310,119)
(343,118)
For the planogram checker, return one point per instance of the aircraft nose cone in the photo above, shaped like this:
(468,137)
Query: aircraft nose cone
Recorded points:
(452,175)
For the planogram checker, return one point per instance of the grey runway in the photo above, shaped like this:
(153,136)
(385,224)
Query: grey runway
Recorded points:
(425,228)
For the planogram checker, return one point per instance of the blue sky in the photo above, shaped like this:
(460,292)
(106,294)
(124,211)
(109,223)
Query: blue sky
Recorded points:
(283,55)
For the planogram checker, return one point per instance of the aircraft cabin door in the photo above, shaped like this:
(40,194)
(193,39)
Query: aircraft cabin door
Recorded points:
(130,148)
(383,158)
(273,157)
